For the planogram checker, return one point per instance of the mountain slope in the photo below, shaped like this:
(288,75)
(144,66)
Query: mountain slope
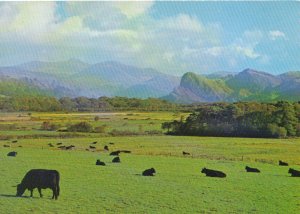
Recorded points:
(13,87)
(197,88)
(248,85)
(75,78)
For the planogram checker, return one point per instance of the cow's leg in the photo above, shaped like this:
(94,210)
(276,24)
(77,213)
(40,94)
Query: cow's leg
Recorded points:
(31,192)
(40,191)
(53,190)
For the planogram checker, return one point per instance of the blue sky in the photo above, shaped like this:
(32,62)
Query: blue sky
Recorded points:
(172,37)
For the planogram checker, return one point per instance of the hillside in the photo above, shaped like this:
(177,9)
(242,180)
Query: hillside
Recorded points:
(12,87)
(248,85)
(75,78)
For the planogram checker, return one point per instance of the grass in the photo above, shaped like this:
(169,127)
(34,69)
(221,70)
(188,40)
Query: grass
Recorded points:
(178,186)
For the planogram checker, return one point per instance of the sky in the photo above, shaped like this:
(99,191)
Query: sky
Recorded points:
(172,37)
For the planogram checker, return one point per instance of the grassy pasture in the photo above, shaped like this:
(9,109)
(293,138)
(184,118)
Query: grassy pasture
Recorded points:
(178,187)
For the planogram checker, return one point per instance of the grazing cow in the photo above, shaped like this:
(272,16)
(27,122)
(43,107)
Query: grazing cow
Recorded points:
(92,147)
(115,153)
(106,148)
(69,147)
(213,173)
(50,144)
(294,173)
(6,145)
(12,154)
(185,153)
(20,146)
(14,141)
(40,179)
(116,160)
(149,172)
(249,169)
(94,142)
(281,163)
(111,143)
(87,150)
(100,163)
(58,143)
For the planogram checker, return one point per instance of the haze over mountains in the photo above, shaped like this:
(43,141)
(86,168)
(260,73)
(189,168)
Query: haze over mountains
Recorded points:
(75,78)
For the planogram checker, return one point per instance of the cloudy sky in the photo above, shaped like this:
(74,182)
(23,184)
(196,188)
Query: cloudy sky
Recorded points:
(172,37)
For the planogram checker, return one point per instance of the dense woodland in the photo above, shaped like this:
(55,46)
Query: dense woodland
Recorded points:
(242,119)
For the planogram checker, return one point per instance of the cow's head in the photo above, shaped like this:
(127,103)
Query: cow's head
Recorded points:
(20,190)
(203,170)
(152,170)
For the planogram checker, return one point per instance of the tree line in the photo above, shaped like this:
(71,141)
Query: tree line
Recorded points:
(242,119)
(82,104)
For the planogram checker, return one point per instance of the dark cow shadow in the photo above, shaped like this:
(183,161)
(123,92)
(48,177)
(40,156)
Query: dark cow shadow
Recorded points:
(14,196)
(8,196)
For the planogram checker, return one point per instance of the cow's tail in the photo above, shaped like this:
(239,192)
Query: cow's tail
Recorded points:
(57,183)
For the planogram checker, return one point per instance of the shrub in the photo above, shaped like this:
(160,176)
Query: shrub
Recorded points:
(81,127)
(49,126)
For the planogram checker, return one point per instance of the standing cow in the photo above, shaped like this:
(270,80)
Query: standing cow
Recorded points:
(40,179)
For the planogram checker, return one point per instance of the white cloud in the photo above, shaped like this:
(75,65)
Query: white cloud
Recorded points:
(276,34)
(246,51)
(100,31)
(134,8)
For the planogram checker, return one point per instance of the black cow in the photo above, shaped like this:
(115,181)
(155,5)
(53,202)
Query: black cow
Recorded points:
(294,173)
(115,153)
(249,169)
(100,163)
(69,147)
(111,143)
(213,173)
(14,141)
(106,148)
(6,145)
(116,160)
(95,142)
(12,154)
(92,147)
(50,144)
(58,143)
(149,172)
(40,179)
(281,163)
(185,153)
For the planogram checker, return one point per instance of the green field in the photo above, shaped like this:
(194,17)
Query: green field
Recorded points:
(178,186)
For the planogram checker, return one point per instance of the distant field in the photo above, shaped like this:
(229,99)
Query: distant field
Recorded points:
(178,186)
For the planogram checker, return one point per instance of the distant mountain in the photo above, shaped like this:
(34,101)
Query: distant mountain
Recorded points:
(75,78)
(13,87)
(247,85)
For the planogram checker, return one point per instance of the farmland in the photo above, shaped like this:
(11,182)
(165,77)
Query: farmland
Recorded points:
(177,187)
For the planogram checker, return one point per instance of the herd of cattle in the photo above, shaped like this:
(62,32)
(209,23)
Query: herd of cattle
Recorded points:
(43,178)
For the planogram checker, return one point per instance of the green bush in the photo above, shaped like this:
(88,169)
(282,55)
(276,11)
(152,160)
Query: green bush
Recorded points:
(80,127)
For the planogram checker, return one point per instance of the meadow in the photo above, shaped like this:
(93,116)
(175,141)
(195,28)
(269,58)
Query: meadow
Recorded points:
(177,187)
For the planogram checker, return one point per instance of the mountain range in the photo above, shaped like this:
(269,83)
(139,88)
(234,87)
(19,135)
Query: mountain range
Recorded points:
(248,85)
(75,78)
